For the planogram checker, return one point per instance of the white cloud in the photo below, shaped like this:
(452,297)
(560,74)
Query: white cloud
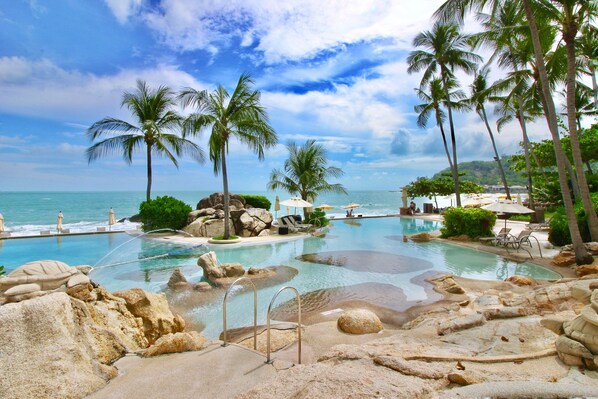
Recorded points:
(42,89)
(286,30)
(123,9)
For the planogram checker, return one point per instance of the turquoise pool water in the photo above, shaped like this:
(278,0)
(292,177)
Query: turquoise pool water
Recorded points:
(368,251)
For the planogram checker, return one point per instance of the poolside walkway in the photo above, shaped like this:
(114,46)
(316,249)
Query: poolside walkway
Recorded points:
(214,372)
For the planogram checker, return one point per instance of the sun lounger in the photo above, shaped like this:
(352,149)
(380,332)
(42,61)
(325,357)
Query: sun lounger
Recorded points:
(498,239)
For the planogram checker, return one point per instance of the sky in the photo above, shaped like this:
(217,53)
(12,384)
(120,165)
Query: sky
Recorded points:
(334,71)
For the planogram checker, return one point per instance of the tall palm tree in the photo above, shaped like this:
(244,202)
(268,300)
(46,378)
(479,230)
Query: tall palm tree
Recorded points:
(306,173)
(155,125)
(445,49)
(238,116)
(480,93)
(432,102)
(455,10)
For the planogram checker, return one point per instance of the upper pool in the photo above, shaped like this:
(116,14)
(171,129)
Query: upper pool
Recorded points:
(365,253)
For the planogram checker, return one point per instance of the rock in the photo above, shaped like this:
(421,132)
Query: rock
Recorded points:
(585,270)
(420,237)
(209,264)
(233,270)
(176,343)
(449,284)
(177,279)
(415,368)
(45,351)
(521,280)
(465,378)
(564,259)
(359,321)
(153,310)
(459,324)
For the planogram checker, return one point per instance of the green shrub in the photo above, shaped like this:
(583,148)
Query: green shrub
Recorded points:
(559,233)
(257,201)
(163,213)
(317,218)
(473,222)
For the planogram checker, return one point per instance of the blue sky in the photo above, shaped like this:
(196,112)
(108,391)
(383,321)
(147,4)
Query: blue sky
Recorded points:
(333,71)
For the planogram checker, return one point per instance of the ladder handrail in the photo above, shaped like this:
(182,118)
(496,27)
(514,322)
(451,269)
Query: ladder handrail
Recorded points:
(299,323)
(224,343)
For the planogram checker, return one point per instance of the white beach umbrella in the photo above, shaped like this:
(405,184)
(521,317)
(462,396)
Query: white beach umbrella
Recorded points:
(507,207)
(296,202)
(1,223)
(59,222)
(111,218)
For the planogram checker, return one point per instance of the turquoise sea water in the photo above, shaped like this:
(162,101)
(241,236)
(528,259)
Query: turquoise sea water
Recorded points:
(373,249)
(27,213)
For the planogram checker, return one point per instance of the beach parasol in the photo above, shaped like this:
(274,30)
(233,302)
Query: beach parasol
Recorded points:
(277,205)
(507,207)
(111,218)
(295,202)
(59,222)
(1,223)
(325,207)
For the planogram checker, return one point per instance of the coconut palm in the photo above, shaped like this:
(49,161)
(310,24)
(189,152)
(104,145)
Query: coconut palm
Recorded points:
(455,10)
(156,124)
(433,100)
(480,93)
(238,116)
(445,50)
(306,173)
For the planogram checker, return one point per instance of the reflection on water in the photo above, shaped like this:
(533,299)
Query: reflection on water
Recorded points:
(368,261)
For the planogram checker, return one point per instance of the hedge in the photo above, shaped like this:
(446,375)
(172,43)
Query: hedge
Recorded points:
(163,213)
(257,201)
(472,222)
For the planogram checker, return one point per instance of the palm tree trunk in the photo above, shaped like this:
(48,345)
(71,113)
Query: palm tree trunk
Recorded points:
(500,168)
(148,192)
(453,139)
(528,163)
(569,37)
(581,254)
(225,189)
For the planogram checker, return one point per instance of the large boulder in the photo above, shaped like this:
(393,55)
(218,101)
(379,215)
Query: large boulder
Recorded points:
(176,343)
(154,312)
(359,321)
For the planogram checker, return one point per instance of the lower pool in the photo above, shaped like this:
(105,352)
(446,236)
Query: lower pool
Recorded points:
(357,260)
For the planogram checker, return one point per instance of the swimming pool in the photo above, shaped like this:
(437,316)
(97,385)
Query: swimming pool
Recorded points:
(365,253)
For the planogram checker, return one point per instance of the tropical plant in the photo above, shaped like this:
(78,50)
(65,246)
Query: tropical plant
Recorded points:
(455,10)
(163,213)
(154,129)
(444,51)
(257,201)
(472,222)
(306,173)
(239,116)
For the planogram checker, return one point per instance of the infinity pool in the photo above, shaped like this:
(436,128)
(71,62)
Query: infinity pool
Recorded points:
(357,260)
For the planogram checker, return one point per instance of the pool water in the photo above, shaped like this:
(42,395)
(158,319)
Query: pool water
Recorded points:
(368,253)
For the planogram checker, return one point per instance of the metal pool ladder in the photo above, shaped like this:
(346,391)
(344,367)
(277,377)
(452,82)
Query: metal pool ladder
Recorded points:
(224,343)
(268,360)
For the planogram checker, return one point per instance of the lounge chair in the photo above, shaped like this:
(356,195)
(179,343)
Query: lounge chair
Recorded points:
(517,242)
(291,222)
(498,238)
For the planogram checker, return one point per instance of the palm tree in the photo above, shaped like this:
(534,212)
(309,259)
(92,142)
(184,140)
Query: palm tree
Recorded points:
(454,10)
(240,116)
(306,173)
(155,122)
(446,51)
(433,99)
(480,93)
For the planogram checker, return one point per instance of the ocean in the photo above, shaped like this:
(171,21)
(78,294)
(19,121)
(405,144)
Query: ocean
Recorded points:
(28,213)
